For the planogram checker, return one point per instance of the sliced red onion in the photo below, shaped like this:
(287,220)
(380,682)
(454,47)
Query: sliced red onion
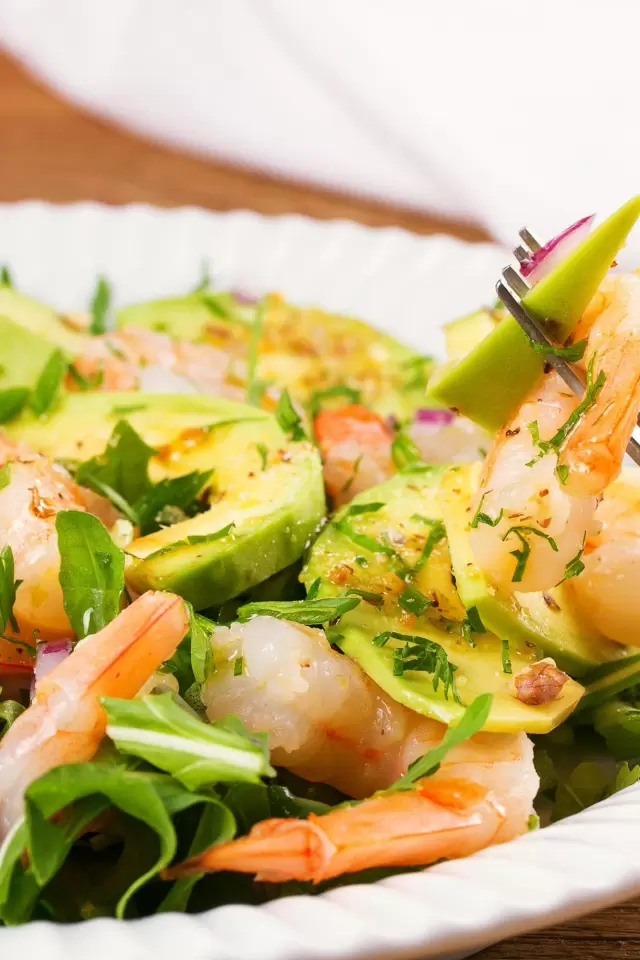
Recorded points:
(49,654)
(549,256)
(436,416)
(245,298)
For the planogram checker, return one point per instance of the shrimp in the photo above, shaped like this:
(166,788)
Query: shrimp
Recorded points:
(328,722)
(593,452)
(607,589)
(436,819)
(355,444)
(65,722)
(538,518)
(37,489)
(133,358)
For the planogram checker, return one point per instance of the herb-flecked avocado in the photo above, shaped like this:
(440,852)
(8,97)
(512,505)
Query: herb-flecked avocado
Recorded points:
(411,633)
(264,500)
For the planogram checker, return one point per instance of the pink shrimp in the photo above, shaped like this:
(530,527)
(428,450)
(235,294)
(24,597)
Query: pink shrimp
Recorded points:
(355,444)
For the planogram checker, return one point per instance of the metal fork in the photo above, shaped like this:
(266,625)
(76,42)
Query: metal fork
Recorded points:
(511,289)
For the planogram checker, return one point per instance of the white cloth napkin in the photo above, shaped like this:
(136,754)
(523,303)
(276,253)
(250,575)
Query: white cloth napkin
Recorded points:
(500,112)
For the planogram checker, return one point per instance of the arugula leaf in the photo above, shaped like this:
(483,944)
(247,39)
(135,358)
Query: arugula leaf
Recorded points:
(255,387)
(48,383)
(405,454)
(100,304)
(91,571)
(471,722)
(177,492)
(341,390)
(314,589)
(619,724)
(10,710)
(122,469)
(309,612)
(193,540)
(480,517)
(420,653)
(200,632)
(288,419)
(12,402)
(573,353)
(196,753)
(8,587)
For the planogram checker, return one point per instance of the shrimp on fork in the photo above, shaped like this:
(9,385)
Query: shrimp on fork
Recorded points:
(447,818)
(65,722)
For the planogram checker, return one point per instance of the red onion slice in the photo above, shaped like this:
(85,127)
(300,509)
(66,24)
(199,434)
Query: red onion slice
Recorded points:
(49,654)
(549,256)
(437,416)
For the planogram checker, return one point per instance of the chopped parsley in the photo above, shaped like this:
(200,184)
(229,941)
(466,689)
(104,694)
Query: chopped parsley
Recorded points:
(506,656)
(354,473)
(314,589)
(522,555)
(436,534)
(288,419)
(420,654)
(575,566)
(5,475)
(361,539)
(405,454)
(86,383)
(193,540)
(264,453)
(312,613)
(472,624)
(99,307)
(562,472)
(413,601)
(8,587)
(480,517)
(417,369)
(204,283)
(255,387)
(573,353)
(341,390)
(238,666)
(375,599)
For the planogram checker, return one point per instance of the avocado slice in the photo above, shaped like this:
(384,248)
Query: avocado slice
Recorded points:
(549,620)
(40,320)
(306,350)
(410,512)
(268,487)
(23,354)
(464,333)
(489,382)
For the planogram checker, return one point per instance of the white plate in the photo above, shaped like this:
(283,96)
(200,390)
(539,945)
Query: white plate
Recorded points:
(407,285)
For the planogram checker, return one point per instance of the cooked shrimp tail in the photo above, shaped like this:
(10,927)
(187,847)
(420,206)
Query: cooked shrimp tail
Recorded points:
(65,722)
(434,820)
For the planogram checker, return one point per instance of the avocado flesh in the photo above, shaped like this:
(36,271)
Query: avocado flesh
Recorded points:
(274,510)
(465,332)
(302,349)
(553,624)
(493,378)
(408,497)
(23,355)
(40,320)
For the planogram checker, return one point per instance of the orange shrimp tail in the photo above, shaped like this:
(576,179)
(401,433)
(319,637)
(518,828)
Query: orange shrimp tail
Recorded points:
(450,818)
(350,422)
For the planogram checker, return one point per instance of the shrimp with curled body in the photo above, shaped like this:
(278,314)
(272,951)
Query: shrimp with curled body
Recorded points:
(328,722)
(65,722)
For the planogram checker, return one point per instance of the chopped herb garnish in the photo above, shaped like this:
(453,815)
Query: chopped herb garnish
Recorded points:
(375,599)
(8,587)
(255,387)
(179,493)
(48,383)
(12,401)
(418,369)
(480,517)
(522,555)
(361,539)
(5,475)
(562,472)
(264,454)
(193,540)
(100,303)
(317,398)
(575,566)
(413,601)
(354,473)
(5,277)
(288,419)
(436,534)
(204,283)
(472,624)
(86,383)
(419,653)
(573,353)
(309,612)
(238,666)
(405,454)
(314,589)
(506,656)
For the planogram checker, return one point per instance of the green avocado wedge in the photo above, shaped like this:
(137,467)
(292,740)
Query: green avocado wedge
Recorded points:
(264,503)
(549,620)
(40,320)
(490,381)
(24,354)
(407,588)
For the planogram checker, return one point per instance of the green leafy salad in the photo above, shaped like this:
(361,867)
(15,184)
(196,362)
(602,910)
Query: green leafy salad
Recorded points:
(275,616)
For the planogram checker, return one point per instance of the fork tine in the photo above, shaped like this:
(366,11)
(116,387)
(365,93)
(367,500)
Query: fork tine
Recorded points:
(521,254)
(513,280)
(527,237)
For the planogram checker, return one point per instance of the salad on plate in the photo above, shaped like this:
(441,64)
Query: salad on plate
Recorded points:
(285,604)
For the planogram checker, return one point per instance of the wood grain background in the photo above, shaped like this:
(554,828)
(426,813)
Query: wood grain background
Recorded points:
(50,151)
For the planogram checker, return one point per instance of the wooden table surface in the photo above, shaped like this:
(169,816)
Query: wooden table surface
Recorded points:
(50,151)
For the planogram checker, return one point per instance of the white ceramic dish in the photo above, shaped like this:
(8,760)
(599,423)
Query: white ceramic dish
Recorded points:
(407,285)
